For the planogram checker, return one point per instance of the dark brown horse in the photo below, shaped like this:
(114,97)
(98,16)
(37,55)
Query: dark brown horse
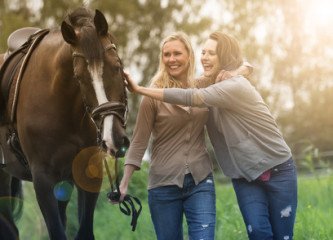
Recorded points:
(71,104)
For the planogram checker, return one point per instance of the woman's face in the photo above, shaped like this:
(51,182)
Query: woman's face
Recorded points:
(176,59)
(209,59)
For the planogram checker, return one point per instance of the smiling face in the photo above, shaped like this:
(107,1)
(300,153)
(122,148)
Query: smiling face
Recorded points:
(175,57)
(209,58)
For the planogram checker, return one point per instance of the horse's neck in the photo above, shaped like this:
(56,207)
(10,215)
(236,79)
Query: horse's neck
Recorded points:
(55,57)
(60,52)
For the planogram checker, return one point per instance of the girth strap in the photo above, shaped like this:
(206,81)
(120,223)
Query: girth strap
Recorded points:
(39,36)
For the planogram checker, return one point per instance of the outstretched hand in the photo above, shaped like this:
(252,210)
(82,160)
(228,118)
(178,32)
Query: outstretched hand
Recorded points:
(130,84)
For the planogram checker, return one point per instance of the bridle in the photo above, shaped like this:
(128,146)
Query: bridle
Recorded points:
(119,110)
(115,108)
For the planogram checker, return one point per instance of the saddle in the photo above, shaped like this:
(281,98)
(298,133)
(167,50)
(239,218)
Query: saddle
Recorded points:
(17,38)
(21,44)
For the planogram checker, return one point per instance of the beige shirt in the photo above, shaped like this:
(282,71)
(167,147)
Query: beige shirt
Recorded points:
(178,142)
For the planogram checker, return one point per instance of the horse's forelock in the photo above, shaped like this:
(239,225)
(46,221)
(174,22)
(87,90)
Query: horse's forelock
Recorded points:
(80,17)
(90,45)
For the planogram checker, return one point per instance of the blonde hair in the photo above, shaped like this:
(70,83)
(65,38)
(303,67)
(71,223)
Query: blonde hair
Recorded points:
(162,79)
(228,50)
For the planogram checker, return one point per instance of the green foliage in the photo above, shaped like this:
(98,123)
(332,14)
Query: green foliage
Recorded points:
(314,213)
(229,223)
(313,220)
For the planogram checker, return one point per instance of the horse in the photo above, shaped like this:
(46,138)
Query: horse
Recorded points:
(68,106)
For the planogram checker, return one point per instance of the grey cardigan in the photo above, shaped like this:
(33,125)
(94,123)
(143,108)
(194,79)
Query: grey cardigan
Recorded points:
(244,135)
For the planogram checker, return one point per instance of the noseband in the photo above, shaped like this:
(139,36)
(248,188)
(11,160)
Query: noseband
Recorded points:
(117,109)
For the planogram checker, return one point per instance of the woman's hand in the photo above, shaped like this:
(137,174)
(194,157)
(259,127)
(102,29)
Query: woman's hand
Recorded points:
(123,190)
(223,75)
(130,84)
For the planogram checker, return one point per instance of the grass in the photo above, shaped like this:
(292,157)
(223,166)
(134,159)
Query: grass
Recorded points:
(313,221)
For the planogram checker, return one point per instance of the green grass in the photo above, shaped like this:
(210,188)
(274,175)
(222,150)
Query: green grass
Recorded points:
(313,221)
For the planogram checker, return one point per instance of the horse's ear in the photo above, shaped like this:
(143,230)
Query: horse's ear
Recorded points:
(100,23)
(68,33)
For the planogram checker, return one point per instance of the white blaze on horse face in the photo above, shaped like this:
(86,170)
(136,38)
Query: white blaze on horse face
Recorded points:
(96,72)
(107,132)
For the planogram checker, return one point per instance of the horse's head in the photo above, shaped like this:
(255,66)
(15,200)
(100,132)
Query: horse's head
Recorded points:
(99,71)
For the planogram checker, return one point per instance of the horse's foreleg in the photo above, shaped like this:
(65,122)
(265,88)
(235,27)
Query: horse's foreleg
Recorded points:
(49,206)
(8,229)
(86,203)
(62,210)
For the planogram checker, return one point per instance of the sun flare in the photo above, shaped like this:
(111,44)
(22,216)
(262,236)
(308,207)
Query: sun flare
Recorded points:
(319,14)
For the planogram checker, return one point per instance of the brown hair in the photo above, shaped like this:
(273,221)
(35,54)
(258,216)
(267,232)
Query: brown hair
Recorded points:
(228,50)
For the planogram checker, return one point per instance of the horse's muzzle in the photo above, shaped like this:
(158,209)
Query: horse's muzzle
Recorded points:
(121,151)
(119,148)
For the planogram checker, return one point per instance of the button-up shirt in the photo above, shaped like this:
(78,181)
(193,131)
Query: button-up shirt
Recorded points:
(177,142)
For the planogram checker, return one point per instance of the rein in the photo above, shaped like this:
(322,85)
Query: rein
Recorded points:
(127,206)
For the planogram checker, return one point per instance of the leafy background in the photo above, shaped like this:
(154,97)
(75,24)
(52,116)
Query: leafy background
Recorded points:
(288,42)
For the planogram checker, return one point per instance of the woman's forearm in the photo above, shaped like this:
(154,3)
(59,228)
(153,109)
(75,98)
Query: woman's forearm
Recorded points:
(155,93)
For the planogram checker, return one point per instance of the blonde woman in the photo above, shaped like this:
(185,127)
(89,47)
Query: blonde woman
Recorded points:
(180,173)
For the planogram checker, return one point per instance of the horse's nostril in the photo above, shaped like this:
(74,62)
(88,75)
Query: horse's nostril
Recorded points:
(126,142)
(124,146)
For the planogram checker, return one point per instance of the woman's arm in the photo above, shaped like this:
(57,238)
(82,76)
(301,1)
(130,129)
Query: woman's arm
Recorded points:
(139,142)
(123,186)
(245,70)
(155,93)
(214,95)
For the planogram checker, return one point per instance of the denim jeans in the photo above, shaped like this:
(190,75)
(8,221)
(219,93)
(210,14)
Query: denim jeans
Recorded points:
(269,207)
(168,204)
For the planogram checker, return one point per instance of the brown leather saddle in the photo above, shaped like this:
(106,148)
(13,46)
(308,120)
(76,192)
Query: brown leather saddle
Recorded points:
(21,44)
(17,38)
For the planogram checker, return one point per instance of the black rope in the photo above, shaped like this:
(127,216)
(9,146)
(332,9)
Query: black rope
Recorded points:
(127,206)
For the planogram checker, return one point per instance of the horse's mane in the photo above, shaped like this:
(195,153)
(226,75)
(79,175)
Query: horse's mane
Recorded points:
(82,19)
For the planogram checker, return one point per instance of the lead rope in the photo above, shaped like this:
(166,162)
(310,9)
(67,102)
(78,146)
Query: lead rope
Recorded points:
(114,196)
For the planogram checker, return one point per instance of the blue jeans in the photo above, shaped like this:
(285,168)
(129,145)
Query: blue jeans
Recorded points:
(168,204)
(269,207)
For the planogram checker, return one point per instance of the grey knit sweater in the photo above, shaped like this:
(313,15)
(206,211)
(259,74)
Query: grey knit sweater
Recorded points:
(241,128)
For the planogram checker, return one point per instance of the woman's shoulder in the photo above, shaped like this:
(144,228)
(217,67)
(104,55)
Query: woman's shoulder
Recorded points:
(202,82)
(235,86)
(238,81)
